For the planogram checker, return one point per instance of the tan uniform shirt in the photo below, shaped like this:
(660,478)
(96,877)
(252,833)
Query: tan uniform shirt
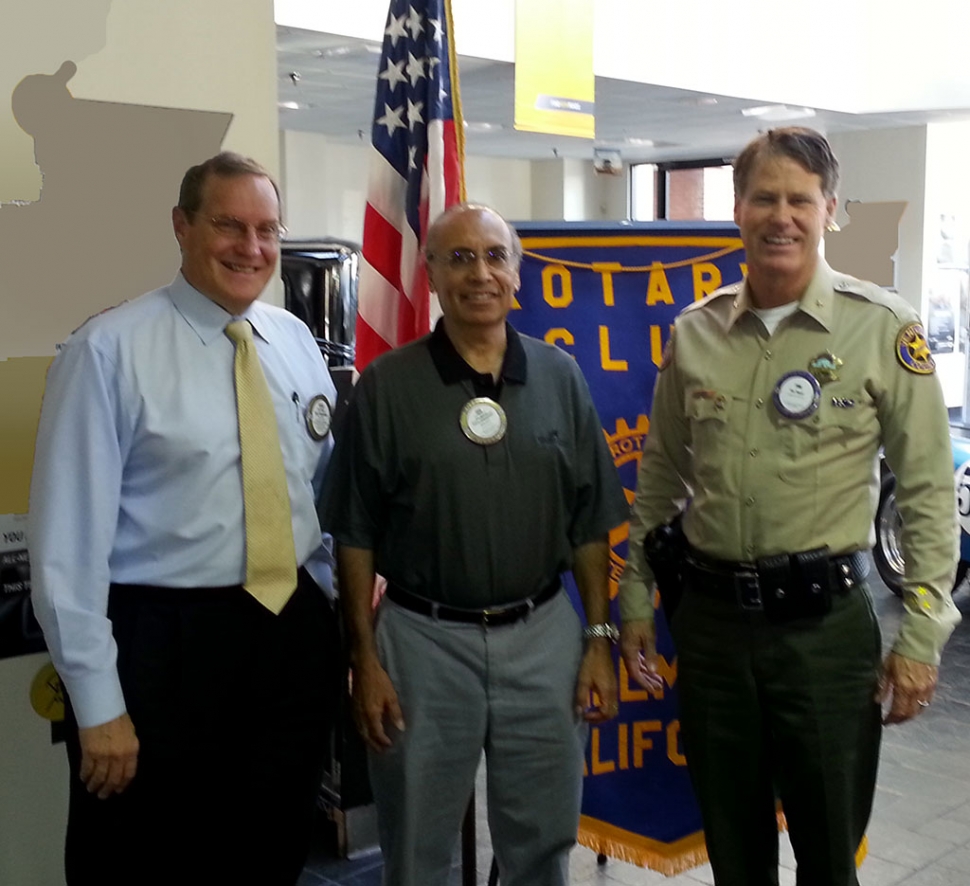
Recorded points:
(761,484)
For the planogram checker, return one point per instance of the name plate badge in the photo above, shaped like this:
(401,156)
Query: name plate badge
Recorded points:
(797,394)
(483,421)
(319,417)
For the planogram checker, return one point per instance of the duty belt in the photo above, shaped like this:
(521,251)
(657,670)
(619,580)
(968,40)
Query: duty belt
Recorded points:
(750,583)
(491,617)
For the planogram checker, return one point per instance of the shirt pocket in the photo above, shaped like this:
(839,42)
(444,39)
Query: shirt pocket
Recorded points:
(708,413)
(820,448)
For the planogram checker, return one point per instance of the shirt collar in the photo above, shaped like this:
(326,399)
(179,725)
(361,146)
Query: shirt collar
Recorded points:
(817,301)
(452,367)
(207,319)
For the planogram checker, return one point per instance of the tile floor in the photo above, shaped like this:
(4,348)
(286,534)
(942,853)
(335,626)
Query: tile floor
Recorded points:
(920,830)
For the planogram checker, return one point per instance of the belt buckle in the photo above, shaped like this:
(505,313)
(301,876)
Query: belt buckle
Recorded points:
(748,590)
(490,613)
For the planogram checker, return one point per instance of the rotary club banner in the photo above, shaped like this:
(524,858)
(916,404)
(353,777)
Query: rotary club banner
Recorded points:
(608,294)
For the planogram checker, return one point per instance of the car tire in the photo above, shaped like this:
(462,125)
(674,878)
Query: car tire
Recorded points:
(888,551)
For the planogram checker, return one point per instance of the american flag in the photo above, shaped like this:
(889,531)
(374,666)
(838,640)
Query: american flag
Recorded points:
(416,172)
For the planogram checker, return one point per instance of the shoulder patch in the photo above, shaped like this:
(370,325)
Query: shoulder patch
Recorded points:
(913,350)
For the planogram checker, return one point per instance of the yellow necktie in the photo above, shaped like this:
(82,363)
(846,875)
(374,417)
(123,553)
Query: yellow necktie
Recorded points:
(270,555)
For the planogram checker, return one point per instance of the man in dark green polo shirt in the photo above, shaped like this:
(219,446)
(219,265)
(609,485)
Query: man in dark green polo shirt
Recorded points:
(471,473)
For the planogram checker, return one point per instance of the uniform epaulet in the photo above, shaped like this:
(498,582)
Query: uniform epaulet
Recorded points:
(912,346)
(731,290)
(846,285)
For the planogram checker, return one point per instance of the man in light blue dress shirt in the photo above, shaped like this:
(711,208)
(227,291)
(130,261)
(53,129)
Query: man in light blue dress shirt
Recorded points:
(197,716)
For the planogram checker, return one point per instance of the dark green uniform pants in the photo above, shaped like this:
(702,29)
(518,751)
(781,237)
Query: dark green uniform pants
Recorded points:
(780,707)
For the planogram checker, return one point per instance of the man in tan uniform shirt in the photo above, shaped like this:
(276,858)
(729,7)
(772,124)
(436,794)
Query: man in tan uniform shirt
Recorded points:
(773,401)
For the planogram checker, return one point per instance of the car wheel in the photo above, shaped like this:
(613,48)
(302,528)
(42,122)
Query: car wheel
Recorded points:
(888,552)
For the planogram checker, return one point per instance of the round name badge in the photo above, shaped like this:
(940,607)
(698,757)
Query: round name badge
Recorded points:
(319,417)
(483,421)
(797,394)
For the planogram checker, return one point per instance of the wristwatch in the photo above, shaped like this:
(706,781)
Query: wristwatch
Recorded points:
(605,629)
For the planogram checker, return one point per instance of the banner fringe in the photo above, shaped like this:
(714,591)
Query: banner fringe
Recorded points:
(668,865)
(673,861)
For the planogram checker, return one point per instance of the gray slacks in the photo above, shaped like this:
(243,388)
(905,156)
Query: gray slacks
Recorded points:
(463,689)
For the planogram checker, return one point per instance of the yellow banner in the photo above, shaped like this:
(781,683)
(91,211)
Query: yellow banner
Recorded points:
(554,83)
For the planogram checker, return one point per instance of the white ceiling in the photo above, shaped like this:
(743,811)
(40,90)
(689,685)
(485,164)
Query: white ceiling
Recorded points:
(332,79)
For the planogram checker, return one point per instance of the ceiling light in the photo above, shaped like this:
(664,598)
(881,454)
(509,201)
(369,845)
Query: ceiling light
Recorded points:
(349,49)
(482,127)
(293,106)
(777,113)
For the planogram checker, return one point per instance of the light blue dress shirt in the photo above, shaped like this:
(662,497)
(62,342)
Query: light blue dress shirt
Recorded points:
(137,474)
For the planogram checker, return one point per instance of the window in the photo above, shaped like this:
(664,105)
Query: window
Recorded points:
(682,191)
(643,201)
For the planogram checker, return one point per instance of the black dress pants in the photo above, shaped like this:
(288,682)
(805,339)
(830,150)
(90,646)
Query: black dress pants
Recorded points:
(787,707)
(231,705)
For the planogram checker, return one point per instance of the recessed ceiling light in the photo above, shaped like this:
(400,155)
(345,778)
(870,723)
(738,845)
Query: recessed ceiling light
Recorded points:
(482,127)
(293,106)
(778,113)
(349,49)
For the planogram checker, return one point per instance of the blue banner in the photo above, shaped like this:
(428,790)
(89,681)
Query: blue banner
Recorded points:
(608,294)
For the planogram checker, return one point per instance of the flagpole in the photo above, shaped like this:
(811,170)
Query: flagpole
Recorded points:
(456,104)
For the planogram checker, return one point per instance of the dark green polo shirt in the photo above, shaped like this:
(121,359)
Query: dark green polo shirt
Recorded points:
(459,522)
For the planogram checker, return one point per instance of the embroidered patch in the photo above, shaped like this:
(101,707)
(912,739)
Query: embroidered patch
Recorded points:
(913,350)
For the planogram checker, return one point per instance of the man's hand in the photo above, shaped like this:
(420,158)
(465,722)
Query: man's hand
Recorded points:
(596,674)
(375,704)
(639,651)
(109,756)
(908,685)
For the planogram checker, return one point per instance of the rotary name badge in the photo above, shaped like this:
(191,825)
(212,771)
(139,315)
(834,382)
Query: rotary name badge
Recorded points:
(913,350)
(319,417)
(797,394)
(483,421)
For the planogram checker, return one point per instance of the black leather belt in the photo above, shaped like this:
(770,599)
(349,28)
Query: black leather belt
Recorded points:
(746,584)
(491,617)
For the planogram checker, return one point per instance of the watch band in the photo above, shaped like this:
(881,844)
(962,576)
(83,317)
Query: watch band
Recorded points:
(604,629)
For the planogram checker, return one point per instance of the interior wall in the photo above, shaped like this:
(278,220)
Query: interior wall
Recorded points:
(889,165)
(502,183)
(324,185)
(106,82)
(548,190)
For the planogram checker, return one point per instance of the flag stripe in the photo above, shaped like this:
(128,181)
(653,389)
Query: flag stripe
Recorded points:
(385,242)
(379,313)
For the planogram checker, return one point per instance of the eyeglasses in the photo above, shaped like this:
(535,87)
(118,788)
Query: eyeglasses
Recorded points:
(498,258)
(266,232)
